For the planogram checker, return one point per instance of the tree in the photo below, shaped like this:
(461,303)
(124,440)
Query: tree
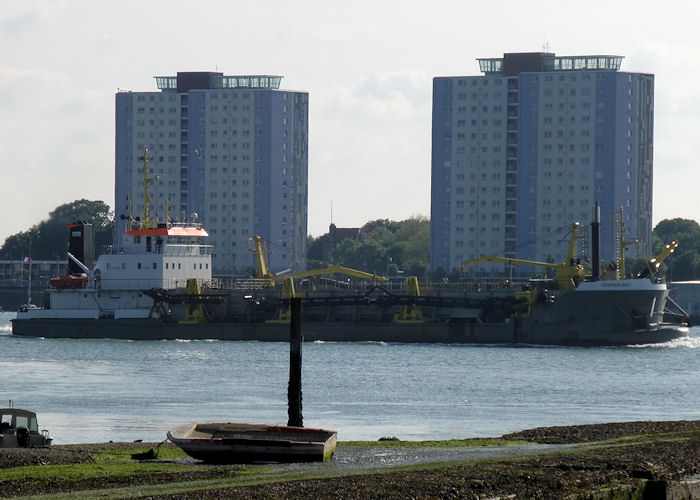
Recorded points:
(389,247)
(17,245)
(685,231)
(49,238)
(414,238)
(684,263)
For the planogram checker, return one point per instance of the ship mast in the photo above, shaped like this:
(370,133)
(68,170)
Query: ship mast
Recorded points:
(622,244)
(147,222)
(29,283)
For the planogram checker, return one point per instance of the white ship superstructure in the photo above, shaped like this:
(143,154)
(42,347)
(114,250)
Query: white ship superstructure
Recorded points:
(153,255)
(162,257)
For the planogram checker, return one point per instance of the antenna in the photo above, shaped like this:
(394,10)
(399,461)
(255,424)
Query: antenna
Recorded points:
(29,285)
(130,217)
(331,211)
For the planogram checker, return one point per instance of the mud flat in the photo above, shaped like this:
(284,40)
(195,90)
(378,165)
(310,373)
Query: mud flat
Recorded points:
(617,460)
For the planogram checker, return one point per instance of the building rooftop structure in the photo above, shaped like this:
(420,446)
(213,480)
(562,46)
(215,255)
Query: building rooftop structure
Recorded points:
(209,80)
(512,64)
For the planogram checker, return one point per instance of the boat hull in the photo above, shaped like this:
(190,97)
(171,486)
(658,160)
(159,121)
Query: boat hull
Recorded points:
(598,313)
(228,443)
(526,332)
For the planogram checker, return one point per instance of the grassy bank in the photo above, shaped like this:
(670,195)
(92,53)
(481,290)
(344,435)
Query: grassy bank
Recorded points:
(608,455)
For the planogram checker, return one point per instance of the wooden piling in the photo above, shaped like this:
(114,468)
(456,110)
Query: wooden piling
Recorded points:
(296,337)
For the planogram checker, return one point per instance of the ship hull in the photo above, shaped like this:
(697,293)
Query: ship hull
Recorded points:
(523,332)
(596,314)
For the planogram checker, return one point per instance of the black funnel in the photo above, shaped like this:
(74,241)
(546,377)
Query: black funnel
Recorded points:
(81,244)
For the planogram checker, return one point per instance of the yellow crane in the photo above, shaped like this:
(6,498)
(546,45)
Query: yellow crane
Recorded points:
(569,273)
(333,270)
(194,313)
(260,261)
(263,272)
(412,313)
(654,263)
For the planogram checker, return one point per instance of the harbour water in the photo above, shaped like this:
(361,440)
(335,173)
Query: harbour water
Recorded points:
(116,390)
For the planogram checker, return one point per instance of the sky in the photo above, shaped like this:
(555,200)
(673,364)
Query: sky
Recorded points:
(367,66)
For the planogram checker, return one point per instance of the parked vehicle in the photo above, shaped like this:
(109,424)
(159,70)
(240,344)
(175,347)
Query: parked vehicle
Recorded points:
(19,429)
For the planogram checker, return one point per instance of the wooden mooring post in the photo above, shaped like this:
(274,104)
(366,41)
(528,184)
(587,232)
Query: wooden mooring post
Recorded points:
(296,337)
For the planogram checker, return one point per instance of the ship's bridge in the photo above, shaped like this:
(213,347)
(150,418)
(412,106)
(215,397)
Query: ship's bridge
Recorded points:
(158,257)
(169,240)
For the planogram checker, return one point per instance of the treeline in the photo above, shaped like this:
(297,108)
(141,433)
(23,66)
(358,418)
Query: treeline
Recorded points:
(48,240)
(390,248)
(385,247)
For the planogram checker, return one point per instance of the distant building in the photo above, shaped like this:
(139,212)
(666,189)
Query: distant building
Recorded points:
(14,281)
(524,150)
(687,295)
(334,237)
(231,149)
(15,273)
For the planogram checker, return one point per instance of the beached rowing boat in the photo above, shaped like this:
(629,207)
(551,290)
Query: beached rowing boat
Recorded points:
(245,443)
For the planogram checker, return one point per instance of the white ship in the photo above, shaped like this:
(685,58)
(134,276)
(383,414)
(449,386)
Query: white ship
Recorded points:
(154,255)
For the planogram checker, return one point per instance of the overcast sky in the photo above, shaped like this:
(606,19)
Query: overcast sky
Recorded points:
(368,69)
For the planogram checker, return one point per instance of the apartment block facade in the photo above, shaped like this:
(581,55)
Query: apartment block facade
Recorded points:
(230,151)
(524,150)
